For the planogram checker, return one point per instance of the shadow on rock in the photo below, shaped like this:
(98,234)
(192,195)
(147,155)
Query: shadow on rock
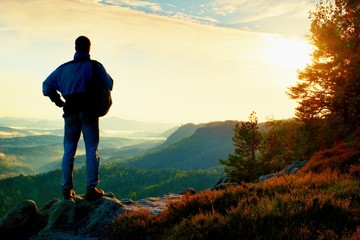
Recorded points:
(76,218)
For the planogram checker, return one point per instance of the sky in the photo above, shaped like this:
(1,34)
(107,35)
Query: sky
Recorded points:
(172,61)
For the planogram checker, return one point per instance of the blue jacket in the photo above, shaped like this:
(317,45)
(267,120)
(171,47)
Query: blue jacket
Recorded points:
(71,79)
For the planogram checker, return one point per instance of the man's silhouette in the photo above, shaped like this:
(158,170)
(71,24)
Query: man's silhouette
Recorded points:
(71,80)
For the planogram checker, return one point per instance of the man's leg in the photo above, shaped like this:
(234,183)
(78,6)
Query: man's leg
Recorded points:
(72,131)
(90,130)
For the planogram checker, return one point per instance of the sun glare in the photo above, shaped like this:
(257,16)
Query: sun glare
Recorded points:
(288,53)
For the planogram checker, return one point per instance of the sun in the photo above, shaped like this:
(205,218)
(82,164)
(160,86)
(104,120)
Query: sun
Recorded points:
(288,53)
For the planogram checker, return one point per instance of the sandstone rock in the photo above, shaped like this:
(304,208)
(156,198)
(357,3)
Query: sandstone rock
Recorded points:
(289,169)
(222,183)
(154,204)
(22,221)
(61,219)
(76,219)
(80,219)
(294,167)
(268,176)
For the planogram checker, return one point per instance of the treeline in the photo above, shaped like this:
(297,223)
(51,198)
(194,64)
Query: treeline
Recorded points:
(124,182)
(327,92)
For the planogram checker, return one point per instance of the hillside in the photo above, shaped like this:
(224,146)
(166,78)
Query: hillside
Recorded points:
(201,150)
(10,167)
(182,132)
(321,201)
(123,182)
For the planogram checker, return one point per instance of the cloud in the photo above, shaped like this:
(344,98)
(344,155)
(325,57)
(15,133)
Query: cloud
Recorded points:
(254,10)
(134,3)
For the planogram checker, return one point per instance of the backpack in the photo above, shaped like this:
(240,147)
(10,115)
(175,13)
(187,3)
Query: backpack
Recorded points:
(99,98)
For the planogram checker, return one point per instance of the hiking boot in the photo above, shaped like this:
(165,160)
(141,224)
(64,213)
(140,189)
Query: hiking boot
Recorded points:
(93,194)
(68,193)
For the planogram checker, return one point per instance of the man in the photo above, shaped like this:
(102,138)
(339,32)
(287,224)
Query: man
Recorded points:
(70,79)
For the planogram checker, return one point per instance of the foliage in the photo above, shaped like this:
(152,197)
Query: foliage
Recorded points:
(134,225)
(242,165)
(329,87)
(341,158)
(299,206)
(287,141)
(281,144)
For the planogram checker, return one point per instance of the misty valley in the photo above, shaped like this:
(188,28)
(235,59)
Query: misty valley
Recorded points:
(138,160)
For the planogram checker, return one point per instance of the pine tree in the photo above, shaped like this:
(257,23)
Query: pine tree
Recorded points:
(242,165)
(329,87)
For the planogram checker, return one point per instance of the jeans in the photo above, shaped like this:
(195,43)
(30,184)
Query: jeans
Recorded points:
(89,127)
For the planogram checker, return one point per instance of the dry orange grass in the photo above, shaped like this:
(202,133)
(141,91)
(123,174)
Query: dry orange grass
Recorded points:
(320,202)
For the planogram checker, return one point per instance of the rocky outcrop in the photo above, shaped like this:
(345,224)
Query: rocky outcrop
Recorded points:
(289,169)
(22,221)
(292,168)
(268,176)
(76,219)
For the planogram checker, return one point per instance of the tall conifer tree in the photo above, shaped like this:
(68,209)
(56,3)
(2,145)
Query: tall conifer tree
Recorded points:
(242,165)
(329,87)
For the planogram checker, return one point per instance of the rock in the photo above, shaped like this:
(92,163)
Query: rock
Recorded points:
(222,183)
(80,219)
(289,169)
(292,168)
(61,219)
(22,221)
(189,191)
(76,219)
(154,204)
(267,177)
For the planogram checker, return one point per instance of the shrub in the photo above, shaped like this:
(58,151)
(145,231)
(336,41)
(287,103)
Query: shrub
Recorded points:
(209,225)
(134,225)
(341,157)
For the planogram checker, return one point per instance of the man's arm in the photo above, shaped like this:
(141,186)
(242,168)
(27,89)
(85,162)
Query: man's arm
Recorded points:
(50,90)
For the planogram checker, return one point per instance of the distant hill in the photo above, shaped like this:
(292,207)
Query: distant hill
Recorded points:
(174,135)
(136,128)
(41,153)
(27,157)
(10,167)
(201,150)
(28,141)
(109,126)
(182,132)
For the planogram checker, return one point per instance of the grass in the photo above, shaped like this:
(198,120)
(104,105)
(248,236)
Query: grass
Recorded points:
(319,202)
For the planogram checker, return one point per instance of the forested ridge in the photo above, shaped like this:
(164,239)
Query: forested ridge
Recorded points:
(124,182)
